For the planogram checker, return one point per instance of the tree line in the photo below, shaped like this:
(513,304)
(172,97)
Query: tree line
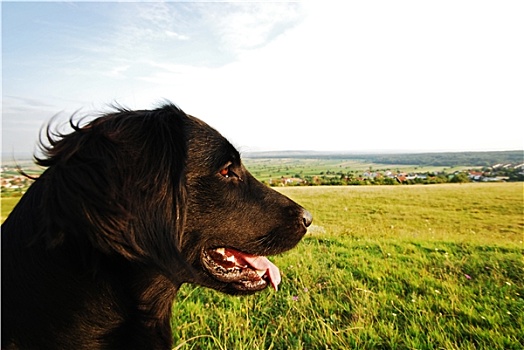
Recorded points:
(353,179)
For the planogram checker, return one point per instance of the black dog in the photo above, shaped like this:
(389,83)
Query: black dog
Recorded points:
(131,206)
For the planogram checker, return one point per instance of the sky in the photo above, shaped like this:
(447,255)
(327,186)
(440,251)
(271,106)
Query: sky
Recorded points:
(361,76)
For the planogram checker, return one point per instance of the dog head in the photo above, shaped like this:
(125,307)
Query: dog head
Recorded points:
(233,221)
(167,191)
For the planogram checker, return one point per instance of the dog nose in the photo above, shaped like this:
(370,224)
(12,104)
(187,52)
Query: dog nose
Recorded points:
(307,218)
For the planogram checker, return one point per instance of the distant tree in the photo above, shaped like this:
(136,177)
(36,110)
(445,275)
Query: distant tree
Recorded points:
(460,178)
(390,181)
(335,181)
(377,181)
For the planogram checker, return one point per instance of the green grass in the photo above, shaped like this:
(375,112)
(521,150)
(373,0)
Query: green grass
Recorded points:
(7,204)
(400,267)
(265,169)
(382,267)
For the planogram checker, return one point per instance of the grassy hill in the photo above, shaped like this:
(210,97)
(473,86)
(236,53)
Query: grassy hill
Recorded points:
(450,159)
(382,267)
(439,159)
(419,267)
(267,169)
(271,166)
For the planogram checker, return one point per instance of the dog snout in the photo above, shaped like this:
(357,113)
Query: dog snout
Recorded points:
(307,218)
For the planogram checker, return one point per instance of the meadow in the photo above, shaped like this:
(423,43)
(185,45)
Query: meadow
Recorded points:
(382,267)
(267,169)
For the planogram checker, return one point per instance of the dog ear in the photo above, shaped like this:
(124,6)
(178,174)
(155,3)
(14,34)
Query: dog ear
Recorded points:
(79,203)
(117,185)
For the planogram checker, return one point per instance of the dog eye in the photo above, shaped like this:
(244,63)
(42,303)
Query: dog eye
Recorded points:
(227,172)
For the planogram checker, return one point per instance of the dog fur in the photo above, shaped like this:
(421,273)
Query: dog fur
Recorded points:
(127,210)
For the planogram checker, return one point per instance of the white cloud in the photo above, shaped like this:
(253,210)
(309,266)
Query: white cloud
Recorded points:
(175,35)
(361,77)
(118,70)
(243,26)
(314,75)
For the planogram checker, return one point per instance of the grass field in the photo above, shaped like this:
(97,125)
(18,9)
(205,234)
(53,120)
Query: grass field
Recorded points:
(266,169)
(418,267)
(382,267)
(7,204)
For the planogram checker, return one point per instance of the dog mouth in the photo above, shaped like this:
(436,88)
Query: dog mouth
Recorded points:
(245,272)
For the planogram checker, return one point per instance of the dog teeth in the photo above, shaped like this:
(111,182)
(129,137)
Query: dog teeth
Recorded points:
(221,251)
(261,273)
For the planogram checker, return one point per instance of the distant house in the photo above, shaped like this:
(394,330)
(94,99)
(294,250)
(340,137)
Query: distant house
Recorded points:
(495,179)
(291,181)
(401,177)
(372,174)
(475,175)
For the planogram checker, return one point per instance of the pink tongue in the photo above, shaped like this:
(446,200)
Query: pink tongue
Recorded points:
(262,263)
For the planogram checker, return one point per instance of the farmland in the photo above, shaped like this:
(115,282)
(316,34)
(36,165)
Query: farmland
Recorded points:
(306,168)
(382,267)
(270,170)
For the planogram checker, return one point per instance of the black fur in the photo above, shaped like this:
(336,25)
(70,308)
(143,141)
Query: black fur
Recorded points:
(95,251)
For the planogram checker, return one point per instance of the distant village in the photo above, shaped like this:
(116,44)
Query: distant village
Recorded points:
(495,173)
(16,185)
(12,184)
